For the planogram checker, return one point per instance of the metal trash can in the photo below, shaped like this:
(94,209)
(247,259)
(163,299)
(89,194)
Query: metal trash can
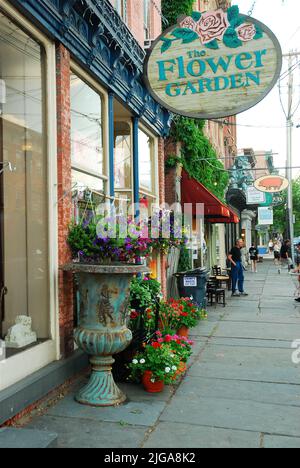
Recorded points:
(193,284)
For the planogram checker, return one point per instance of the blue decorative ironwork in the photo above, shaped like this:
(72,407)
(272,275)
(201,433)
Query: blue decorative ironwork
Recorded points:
(98,38)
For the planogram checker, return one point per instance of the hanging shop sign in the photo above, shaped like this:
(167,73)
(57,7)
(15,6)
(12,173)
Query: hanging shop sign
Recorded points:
(265,216)
(254,196)
(271,184)
(213,64)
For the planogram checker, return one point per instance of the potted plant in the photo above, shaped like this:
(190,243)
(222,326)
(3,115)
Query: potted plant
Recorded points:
(145,296)
(189,315)
(156,366)
(104,252)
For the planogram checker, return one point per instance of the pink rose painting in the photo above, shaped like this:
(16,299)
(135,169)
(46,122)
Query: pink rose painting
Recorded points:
(189,23)
(212,25)
(246,32)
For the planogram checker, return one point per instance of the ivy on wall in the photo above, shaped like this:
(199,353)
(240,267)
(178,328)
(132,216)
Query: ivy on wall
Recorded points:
(172,9)
(198,156)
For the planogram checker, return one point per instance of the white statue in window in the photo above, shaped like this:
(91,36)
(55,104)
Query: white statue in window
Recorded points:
(21,334)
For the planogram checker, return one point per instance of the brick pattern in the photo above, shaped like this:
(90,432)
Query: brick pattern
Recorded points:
(161,171)
(66,319)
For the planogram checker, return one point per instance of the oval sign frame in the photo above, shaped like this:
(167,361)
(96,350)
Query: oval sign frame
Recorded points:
(276,189)
(234,110)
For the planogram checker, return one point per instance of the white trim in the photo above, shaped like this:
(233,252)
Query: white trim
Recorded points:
(24,364)
(94,84)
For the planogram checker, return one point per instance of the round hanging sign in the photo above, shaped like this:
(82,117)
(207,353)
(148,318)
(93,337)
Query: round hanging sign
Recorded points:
(213,64)
(271,184)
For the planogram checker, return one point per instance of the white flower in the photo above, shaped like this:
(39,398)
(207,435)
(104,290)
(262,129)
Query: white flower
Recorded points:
(168,370)
(152,381)
(172,356)
(135,361)
(174,368)
(142,361)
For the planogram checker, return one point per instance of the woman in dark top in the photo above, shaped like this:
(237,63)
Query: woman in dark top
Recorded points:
(253,252)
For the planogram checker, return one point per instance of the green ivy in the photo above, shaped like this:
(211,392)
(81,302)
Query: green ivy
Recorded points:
(198,156)
(172,9)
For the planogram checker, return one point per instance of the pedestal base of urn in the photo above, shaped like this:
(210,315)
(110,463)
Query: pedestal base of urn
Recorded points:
(101,389)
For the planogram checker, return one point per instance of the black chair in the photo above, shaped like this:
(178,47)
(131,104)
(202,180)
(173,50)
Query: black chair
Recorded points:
(215,294)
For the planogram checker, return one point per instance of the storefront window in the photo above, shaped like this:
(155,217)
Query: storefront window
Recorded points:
(146,146)
(122,155)
(23,181)
(88,179)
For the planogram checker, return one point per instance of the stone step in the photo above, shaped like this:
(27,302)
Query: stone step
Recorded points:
(26,438)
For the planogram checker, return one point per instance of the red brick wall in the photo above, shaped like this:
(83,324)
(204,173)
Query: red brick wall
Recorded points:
(161,171)
(171,149)
(66,320)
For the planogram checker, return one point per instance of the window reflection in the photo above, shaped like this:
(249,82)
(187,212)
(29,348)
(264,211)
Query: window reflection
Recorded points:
(86,128)
(146,161)
(122,155)
(23,192)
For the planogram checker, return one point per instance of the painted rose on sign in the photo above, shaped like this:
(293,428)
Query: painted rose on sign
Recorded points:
(246,32)
(212,25)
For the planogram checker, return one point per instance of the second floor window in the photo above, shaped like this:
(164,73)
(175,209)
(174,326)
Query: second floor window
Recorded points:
(147,20)
(121,7)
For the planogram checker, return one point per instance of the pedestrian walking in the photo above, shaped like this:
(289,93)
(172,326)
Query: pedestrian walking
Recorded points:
(277,249)
(271,246)
(253,252)
(286,256)
(237,270)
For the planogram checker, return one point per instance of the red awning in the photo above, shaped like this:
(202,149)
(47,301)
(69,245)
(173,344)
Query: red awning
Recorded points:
(234,219)
(193,192)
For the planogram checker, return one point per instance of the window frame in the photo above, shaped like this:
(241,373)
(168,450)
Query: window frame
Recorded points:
(29,361)
(97,88)
(154,193)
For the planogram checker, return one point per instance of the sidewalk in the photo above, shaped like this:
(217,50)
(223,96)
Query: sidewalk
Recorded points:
(242,389)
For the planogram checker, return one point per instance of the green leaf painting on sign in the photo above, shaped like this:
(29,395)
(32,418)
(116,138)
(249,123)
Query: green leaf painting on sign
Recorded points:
(231,39)
(187,35)
(191,28)
(167,43)
(213,45)
(196,16)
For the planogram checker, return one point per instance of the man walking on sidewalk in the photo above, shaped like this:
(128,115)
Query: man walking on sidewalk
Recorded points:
(237,271)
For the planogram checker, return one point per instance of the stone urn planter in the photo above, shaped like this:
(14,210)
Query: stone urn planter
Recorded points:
(102,329)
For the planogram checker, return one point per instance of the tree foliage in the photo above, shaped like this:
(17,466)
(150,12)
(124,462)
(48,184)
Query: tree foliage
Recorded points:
(172,9)
(280,212)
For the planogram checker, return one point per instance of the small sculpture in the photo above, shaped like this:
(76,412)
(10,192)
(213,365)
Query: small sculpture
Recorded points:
(21,334)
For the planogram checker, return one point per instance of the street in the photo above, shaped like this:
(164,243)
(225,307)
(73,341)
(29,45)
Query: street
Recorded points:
(242,389)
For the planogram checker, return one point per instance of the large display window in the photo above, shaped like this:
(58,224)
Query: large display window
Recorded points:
(24,255)
(87,147)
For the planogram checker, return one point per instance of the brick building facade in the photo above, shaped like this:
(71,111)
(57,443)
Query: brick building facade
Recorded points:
(89,126)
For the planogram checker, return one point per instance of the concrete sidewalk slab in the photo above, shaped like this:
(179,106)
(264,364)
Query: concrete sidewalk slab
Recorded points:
(195,388)
(235,414)
(201,437)
(12,438)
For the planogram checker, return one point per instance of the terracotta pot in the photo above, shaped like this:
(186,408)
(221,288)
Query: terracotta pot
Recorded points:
(152,387)
(183,331)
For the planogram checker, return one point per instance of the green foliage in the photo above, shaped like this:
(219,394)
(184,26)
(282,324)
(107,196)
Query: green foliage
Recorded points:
(185,263)
(144,292)
(196,151)
(172,9)
(160,360)
(280,212)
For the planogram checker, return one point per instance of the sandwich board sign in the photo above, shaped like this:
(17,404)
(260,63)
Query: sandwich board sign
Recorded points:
(213,64)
